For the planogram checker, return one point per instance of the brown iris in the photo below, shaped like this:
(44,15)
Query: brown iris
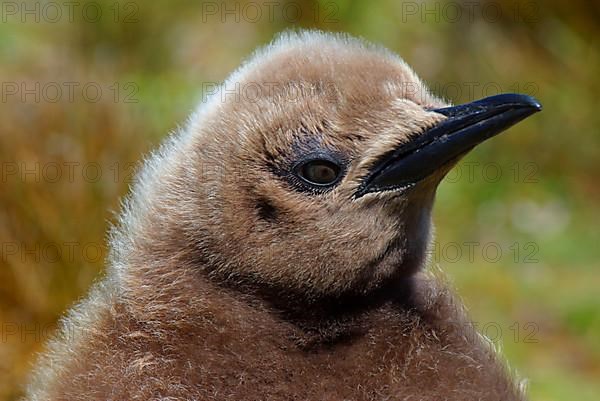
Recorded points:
(320,172)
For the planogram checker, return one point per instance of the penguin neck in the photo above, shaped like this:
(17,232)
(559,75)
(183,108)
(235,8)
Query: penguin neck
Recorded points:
(173,289)
(321,320)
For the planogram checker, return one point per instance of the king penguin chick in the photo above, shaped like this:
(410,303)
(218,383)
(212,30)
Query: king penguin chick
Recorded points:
(274,248)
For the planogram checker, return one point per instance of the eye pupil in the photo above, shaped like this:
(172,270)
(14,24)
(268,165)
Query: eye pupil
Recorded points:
(320,172)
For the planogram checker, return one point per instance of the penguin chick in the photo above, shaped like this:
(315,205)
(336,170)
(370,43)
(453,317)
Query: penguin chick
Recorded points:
(274,249)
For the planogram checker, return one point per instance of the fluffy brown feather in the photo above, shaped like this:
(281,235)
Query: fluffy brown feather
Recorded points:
(226,282)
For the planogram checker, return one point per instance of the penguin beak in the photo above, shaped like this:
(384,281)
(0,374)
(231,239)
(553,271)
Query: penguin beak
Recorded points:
(465,127)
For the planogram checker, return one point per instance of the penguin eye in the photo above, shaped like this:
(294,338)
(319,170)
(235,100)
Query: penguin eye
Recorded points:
(319,172)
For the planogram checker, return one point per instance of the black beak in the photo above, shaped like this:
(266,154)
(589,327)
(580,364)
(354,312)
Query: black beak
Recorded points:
(465,127)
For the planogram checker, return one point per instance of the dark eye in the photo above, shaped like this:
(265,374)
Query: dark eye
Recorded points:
(319,172)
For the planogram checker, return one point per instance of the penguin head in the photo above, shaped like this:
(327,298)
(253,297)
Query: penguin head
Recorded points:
(314,168)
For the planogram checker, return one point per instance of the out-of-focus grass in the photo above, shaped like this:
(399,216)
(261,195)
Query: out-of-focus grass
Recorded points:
(538,300)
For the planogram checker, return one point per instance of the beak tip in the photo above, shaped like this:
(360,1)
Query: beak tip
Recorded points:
(533,103)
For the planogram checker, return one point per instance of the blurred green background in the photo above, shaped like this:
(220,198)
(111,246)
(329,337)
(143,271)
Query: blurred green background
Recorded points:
(90,87)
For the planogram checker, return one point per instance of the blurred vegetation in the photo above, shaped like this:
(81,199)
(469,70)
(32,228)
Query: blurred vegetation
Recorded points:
(538,300)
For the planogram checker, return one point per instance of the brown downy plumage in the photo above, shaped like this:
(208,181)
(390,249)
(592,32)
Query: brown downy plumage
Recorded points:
(274,248)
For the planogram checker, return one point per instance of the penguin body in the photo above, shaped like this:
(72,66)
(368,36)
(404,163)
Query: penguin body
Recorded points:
(271,251)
